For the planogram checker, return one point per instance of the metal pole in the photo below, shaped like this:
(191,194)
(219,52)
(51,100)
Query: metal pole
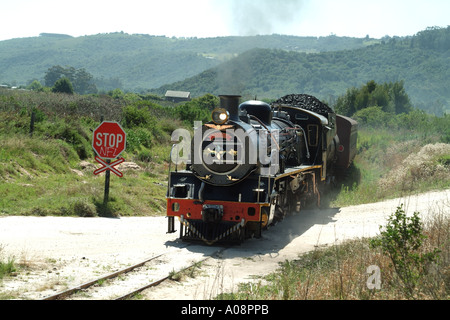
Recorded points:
(107,177)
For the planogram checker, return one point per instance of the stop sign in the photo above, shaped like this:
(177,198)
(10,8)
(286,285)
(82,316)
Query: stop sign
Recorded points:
(109,140)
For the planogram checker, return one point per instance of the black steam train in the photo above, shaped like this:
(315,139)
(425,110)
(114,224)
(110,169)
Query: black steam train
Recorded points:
(254,163)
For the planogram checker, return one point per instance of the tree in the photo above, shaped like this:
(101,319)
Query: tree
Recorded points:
(81,80)
(53,74)
(346,104)
(390,97)
(400,98)
(36,86)
(198,109)
(63,85)
(208,101)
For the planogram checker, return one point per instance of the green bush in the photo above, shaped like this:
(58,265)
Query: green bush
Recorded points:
(401,241)
(137,117)
(63,85)
(190,113)
(139,137)
(373,117)
(74,135)
(390,97)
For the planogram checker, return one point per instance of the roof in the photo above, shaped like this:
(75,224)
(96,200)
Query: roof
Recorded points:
(178,94)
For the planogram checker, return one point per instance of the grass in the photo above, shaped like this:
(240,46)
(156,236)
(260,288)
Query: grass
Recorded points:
(7,267)
(190,272)
(138,193)
(342,272)
(392,163)
(42,174)
(389,164)
(38,177)
(37,171)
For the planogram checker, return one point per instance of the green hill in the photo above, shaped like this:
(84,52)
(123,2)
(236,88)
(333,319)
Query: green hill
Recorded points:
(266,66)
(422,62)
(136,62)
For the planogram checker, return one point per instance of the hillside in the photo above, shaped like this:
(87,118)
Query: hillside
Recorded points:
(137,62)
(47,168)
(422,62)
(266,66)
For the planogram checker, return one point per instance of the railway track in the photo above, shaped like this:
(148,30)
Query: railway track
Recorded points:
(125,283)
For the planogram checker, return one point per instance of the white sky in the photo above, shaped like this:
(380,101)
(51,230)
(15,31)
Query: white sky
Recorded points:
(211,18)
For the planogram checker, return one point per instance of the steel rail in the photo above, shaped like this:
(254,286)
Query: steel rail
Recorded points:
(159,281)
(153,284)
(63,294)
(70,291)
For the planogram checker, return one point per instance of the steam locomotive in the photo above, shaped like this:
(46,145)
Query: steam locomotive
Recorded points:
(253,164)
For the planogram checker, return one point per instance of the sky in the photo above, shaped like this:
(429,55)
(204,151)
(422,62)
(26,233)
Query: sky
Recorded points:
(213,18)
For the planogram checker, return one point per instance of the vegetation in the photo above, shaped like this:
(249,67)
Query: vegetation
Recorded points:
(273,73)
(46,168)
(401,242)
(343,272)
(49,170)
(265,66)
(398,154)
(198,109)
(401,149)
(390,97)
(63,85)
(81,79)
(7,266)
(139,62)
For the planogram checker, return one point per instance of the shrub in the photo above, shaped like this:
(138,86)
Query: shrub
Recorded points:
(193,111)
(137,117)
(373,117)
(63,85)
(83,209)
(401,241)
(74,135)
(138,137)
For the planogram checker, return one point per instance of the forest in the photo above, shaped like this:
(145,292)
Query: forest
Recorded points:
(422,62)
(263,66)
(138,62)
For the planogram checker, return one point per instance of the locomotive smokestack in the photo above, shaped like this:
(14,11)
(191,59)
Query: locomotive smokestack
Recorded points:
(231,104)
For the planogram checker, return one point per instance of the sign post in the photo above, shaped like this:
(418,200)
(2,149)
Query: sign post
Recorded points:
(109,142)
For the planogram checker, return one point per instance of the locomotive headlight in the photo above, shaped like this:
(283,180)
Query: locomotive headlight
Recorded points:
(220,116)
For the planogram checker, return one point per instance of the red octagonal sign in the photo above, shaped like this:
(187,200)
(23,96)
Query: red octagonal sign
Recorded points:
(109,140)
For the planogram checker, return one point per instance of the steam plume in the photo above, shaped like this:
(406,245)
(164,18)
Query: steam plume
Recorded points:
(253,17)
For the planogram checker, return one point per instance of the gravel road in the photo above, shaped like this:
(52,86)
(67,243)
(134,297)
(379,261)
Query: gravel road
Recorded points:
(61,252)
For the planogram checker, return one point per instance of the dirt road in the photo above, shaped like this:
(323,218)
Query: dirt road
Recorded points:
(61,252)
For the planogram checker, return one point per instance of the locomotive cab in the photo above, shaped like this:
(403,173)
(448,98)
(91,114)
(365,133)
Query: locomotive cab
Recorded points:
(320,136)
